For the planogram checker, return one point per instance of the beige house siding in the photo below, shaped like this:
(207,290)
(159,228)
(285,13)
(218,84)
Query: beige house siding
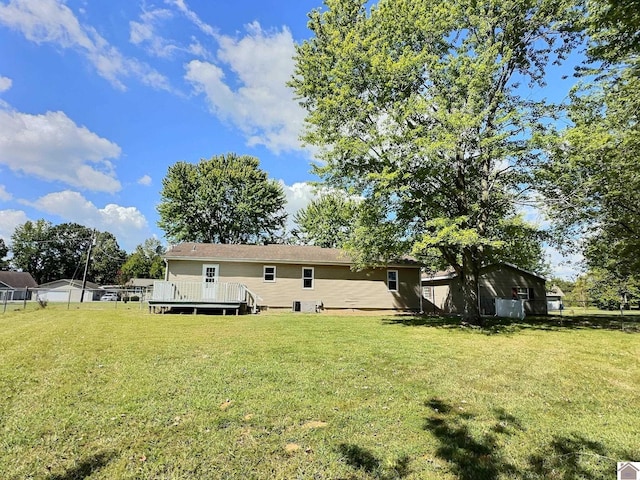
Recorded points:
(335,286)
(496,281)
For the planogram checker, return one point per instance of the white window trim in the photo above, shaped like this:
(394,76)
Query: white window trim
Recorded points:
(313,278)
(216,276)
(521,294)
(397,281)
(264,273)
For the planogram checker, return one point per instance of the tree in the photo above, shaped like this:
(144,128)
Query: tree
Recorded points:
(51,252)
(415,107)
(614,30)
(592,186)
(609,291)
(32,252)
(106,259)
(327,221)
(522,244)
(145,262)
(226,199)
(4,250)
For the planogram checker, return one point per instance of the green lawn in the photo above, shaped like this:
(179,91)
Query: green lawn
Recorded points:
(120,393)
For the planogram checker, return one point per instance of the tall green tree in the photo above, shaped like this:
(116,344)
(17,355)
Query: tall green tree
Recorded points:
(226,199)
(51,252)
(327,221)
(106,259)
(415,107)
(31,246)
(145,262)
(592,186)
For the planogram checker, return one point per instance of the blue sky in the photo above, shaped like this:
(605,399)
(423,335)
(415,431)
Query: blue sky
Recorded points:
(98,99)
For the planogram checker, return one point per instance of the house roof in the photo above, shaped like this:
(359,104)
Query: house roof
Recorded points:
(555,291)
(267,253)
(140,282)
(450,272)
(66,282)
(17,279)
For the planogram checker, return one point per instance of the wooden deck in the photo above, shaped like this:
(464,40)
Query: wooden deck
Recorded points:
(224,297)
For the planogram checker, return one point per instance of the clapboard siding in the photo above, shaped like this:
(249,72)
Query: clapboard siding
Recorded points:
(496,281)
(336,286)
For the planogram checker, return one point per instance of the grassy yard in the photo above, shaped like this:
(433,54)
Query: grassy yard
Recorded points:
(119,393)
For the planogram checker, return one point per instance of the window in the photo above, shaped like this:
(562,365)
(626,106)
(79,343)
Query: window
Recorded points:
(427,292)
(269,273)
(522,293)
(392,280)
(210,273)
(307,277)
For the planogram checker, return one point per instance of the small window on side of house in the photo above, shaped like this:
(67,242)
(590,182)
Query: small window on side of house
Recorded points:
(307,278)
(269,273)
(520,293)
(392,280)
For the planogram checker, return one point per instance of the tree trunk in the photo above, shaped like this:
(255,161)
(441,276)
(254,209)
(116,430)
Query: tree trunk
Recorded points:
(470,291)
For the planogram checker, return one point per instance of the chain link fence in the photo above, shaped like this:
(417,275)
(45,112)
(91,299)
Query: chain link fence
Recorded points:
(90,299)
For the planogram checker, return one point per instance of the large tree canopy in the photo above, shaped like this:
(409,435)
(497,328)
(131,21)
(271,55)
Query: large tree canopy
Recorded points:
(416,108)
(51,252)
(327,221)
(227,199)
(592,186)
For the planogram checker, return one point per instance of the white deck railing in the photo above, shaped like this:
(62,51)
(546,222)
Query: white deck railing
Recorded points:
(216,292)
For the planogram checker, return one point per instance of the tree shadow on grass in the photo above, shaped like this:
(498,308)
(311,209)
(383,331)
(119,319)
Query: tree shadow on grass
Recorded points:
(496,325)
(478,456)
(85,468)
(575,457)
(364,460)
(471,457)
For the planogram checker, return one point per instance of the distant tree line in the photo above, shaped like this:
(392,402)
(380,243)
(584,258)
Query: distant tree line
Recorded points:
(52,252)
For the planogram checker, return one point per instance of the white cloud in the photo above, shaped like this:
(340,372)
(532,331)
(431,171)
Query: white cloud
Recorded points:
(262,105)
(53,147)
(145,180)
(4,195)
(144,33)
(5,84)
(128,224)
(298,196)
(9,220)
(51,21)
(192,16)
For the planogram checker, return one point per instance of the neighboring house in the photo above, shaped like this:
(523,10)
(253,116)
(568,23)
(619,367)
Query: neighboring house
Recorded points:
(16,286)
(443,293)
(554,298)
(284,277)
(139,286)
(66,290)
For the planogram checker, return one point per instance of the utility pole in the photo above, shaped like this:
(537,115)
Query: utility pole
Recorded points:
(86,265)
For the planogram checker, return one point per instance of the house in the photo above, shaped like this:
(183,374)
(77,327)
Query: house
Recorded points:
(554,298)
(66,290)
(139,287)
(302,278)
(16,286)
(502,281)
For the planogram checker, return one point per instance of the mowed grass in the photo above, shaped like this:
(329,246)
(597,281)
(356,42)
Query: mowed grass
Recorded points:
(123,394)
